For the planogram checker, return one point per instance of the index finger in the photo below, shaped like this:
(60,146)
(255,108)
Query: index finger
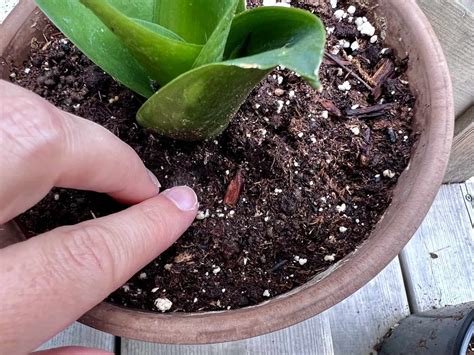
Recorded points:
(43,147)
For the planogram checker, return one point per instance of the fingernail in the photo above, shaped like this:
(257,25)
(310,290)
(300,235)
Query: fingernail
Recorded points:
(154,180)
(183,197)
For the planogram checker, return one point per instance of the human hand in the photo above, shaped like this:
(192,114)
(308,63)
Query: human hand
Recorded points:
(49,281)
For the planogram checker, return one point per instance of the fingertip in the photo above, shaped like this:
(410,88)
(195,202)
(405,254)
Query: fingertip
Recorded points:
(154,180)
(136,192)
(183,197)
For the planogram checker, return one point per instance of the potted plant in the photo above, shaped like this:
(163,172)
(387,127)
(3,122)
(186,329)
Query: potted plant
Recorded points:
(200,92)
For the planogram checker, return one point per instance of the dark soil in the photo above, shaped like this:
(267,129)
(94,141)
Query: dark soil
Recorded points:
(318,170)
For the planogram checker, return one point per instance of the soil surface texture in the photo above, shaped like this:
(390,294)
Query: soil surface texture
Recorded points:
(316,171)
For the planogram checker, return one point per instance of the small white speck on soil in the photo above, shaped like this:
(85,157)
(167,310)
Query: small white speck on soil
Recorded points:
(389,174)
(345,86)
(339,14)
(355,130)
(331,257)
(163,304)
(280,104)
(302,261)
(341,208)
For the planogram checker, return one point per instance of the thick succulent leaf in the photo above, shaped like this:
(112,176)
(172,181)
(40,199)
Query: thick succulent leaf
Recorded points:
(163,58)
(213,50)
(266,37)
(200,103)
(93,38)
(242,6)
(158,29)
(193,20)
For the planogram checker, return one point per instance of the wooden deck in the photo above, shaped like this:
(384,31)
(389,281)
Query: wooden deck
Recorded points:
(434,270)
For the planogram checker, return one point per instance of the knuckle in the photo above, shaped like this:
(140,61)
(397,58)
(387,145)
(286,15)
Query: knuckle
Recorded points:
(31,125)
(86,251)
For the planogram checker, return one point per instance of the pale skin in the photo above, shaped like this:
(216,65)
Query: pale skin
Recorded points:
(49,281)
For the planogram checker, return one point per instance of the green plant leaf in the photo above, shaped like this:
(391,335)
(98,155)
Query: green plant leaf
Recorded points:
(200,103)
(213,50)
(242,6)
(163,58)
(158,29)
(100,45)
(193,20)
(266,37)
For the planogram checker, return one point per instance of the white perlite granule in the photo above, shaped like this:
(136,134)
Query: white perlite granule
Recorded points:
(330,257)
(389,174)
(163,304)
(302,261)
(345,86)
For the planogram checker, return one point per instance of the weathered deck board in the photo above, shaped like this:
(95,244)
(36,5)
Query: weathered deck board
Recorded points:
(360,321)
(80,335)
(461,161)
(454,25)
(352,327)
(467,190)
(6,6)
(437,263)
(310,337)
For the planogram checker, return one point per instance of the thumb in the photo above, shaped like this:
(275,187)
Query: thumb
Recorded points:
(51,280)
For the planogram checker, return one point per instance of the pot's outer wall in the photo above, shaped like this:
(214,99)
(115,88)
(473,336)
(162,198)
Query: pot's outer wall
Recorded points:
(408,31)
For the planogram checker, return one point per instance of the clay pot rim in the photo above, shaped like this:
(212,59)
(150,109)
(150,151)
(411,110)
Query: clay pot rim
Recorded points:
(313,297)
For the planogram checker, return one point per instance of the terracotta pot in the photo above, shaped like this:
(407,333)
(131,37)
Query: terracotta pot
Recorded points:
(408,31)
